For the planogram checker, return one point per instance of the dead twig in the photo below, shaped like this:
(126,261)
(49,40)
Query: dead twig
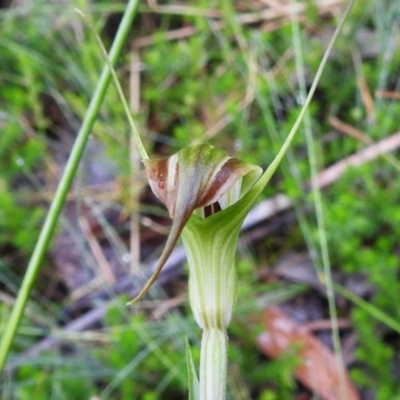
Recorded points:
(334,172)
(97,252)
(349,130)
(386,94)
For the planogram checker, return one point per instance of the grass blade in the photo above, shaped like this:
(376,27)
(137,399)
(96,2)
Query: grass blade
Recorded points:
(64,185)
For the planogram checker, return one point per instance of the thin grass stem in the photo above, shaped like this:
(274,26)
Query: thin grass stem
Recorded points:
(316,193)
(118,86)
(368,307)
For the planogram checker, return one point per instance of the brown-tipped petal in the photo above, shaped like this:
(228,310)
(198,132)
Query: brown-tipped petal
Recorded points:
(230,171)
(163,180)
(196,177)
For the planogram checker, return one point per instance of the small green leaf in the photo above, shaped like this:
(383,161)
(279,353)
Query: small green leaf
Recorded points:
(194,389)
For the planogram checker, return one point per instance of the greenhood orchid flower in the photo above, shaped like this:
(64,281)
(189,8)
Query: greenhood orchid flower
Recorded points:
(196,182)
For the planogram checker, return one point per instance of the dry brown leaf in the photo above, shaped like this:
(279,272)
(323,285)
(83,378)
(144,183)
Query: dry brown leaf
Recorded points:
(319,369)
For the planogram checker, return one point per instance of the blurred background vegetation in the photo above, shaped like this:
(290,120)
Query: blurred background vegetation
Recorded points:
(228,73)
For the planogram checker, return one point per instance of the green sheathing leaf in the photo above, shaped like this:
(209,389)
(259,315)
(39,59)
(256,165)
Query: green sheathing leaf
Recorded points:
(193,380)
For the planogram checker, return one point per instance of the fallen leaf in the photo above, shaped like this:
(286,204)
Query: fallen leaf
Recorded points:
(319,369)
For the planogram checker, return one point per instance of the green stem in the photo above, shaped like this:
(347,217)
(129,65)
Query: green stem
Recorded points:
(213,364)
(64,185)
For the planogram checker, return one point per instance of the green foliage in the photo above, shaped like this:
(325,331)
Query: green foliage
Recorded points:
(58,381)
(143,358)
(368,246)
(135,358)
(21,153)
(18,225)
(378,359)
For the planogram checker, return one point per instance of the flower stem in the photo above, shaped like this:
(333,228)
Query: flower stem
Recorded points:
(213,364)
